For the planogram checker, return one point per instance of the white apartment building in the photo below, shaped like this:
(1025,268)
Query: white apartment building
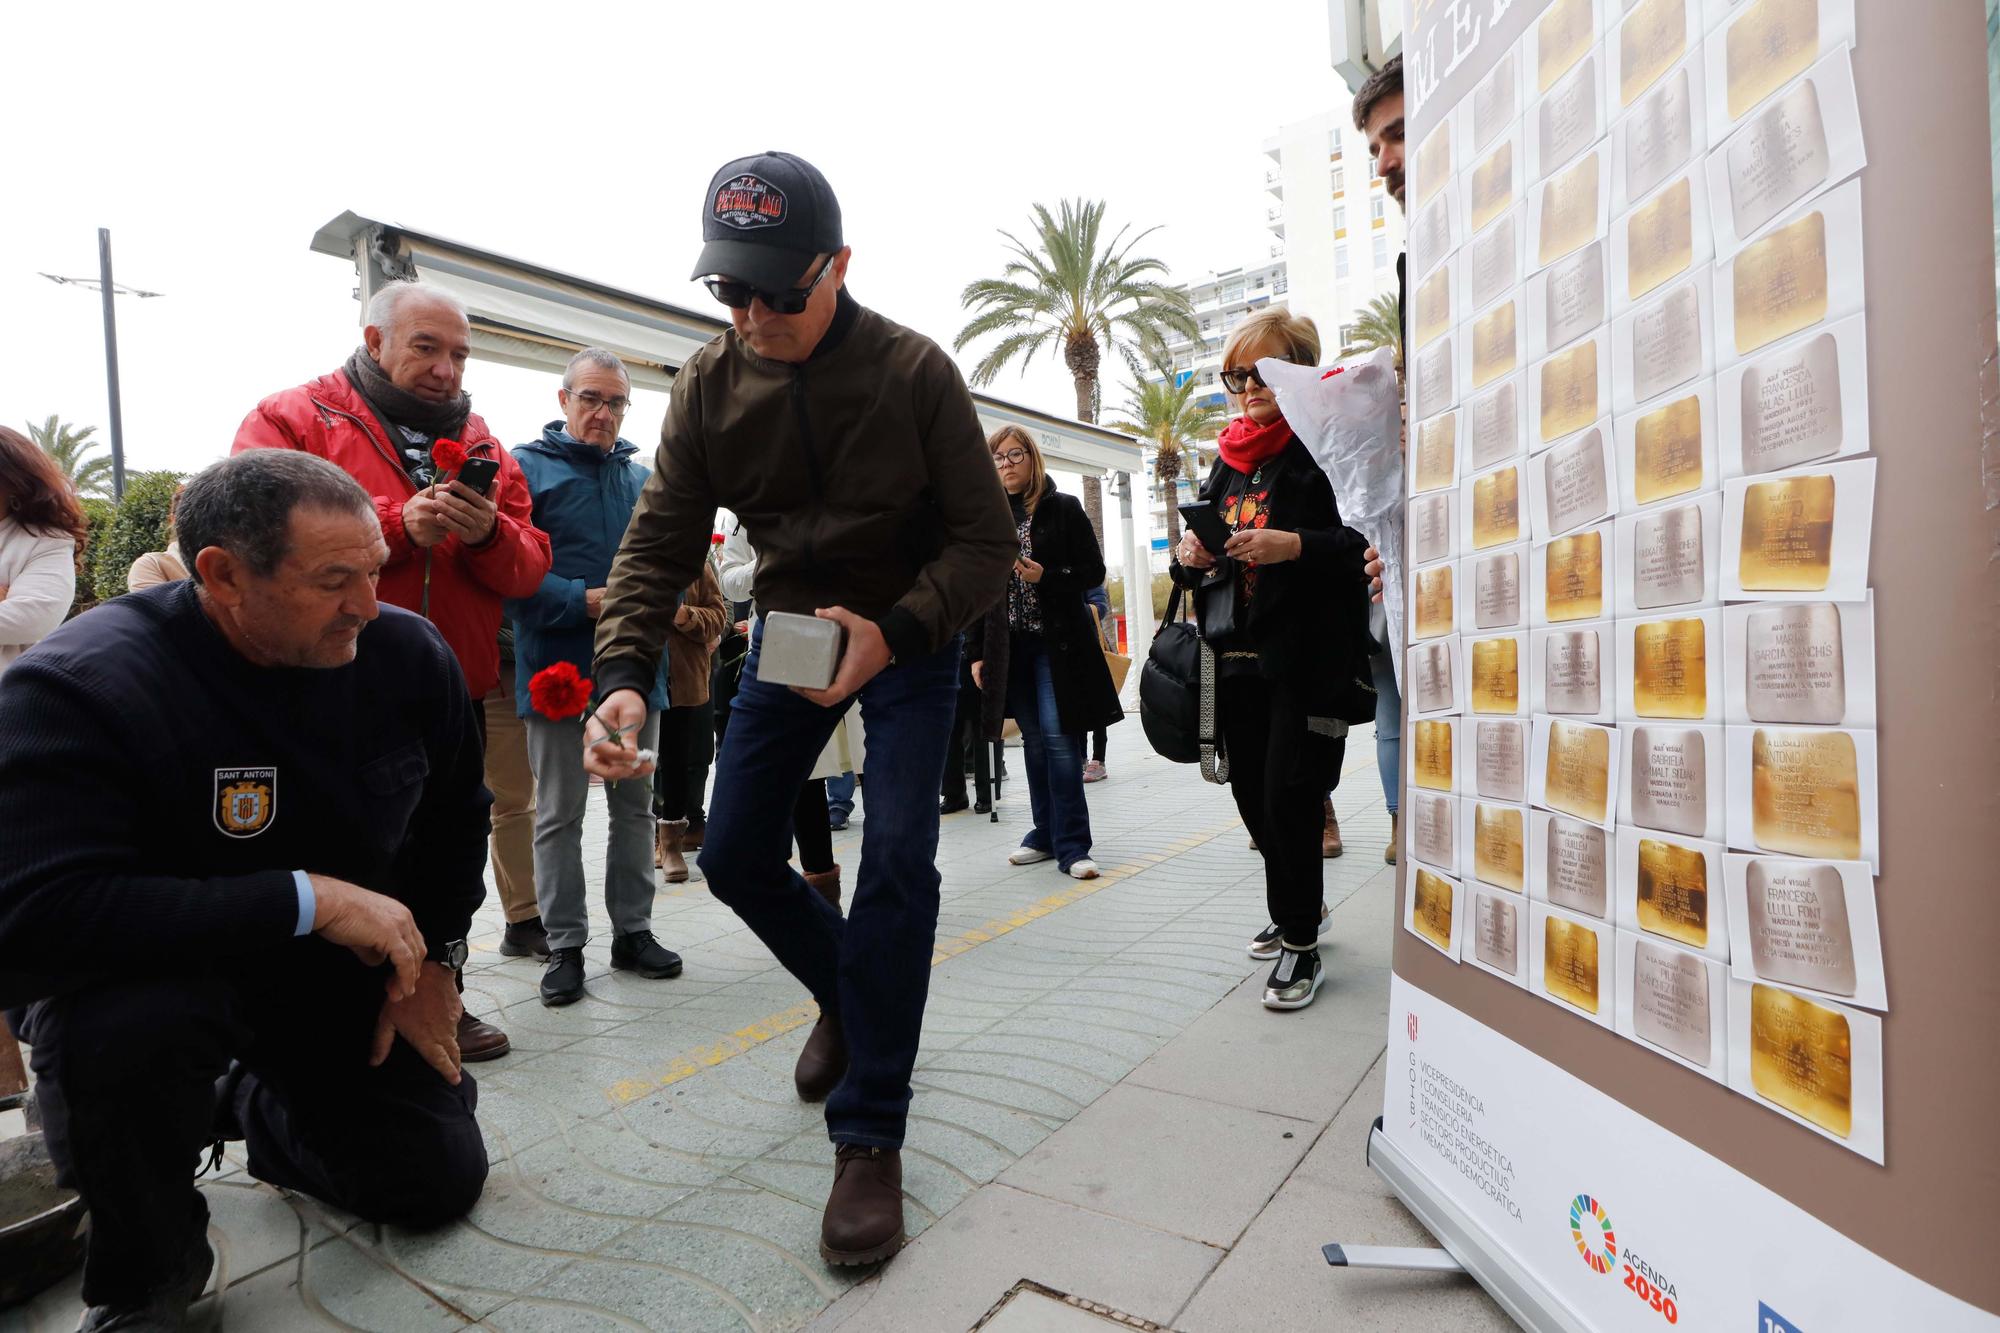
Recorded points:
(1340,229)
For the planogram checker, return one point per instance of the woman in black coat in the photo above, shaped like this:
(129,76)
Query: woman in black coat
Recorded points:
(1037,653)
(1285,608)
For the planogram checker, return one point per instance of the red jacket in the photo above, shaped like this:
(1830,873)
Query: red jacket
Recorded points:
(329,418)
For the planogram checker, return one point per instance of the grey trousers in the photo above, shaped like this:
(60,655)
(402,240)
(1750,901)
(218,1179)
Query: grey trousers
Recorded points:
(562,791)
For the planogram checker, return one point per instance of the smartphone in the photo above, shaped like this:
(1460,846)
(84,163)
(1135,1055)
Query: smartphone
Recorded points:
(478,473)
(1206,525)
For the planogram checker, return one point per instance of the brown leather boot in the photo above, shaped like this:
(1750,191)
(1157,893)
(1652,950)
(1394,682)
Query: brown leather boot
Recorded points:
(667,850)
(1329,839)
(826,883)
(480,1041)
(823,1062)
(1395,829)
(864,1214)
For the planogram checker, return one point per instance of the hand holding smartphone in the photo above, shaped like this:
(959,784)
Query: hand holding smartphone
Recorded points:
(1205,522)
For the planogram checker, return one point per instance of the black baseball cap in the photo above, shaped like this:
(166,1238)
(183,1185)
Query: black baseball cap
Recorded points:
(764,219)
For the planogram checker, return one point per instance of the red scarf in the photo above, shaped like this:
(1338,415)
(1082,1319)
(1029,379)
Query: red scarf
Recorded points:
(1246,446)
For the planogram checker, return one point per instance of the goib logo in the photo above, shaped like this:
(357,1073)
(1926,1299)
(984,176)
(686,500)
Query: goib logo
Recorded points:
(1589,1225)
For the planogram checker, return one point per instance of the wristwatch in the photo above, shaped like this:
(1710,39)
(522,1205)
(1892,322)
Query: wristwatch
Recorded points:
(451,954)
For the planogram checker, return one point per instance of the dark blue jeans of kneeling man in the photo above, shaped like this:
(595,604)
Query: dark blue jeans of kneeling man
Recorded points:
(872,969)
(1054,761)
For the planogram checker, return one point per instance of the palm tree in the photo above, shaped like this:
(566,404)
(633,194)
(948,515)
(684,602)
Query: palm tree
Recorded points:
(1085,293)
(71,449)
(1165,416)
(1379,324)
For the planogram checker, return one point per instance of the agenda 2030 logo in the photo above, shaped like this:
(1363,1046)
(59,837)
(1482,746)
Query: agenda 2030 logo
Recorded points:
(1590,1227)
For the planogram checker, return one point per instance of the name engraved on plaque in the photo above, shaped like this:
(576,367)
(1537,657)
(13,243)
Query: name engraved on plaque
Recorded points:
(1573,296)
(1666,343)
(1787,538)
(1668,568)
(1670,1001)
(1502,764)
(1576,489)
(1794,664)
(1798,925)
(1577,866)
(1670,780)
(1791,406)
(1805,793)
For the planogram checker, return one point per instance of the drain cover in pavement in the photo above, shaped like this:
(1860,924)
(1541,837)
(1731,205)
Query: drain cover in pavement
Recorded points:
(1033,1308)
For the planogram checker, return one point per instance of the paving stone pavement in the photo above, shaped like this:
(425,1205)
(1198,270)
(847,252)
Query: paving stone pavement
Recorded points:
(651,1166)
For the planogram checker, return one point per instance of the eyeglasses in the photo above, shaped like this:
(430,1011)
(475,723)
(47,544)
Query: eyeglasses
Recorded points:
(738,295)
(1010,457)
(594,401)
(1236,381)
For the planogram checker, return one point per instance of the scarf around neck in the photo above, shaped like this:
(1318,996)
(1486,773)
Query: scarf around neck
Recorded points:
(1246,446)
(399,408)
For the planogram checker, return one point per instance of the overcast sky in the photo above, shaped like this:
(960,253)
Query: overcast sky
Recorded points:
(214,140)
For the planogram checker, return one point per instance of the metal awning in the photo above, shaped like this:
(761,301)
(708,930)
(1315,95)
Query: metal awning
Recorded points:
(527,315)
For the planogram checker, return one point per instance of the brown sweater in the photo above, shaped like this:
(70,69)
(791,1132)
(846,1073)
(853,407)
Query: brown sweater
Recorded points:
(860,475)
(690,652)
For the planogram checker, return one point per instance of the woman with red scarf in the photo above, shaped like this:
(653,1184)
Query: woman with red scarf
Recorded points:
(1285,607)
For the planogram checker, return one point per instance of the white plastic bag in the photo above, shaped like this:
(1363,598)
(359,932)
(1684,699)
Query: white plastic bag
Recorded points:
(1350,417)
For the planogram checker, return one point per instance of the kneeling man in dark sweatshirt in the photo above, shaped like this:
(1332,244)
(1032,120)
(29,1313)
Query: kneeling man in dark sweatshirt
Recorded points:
(242,836)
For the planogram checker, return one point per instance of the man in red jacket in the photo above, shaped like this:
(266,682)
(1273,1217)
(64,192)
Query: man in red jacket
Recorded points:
(454,554)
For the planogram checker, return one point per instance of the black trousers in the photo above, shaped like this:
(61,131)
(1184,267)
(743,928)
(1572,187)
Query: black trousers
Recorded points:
(1280,773)
(126,1080)
(701,754)
(967,739)
(670,772)
(811,829)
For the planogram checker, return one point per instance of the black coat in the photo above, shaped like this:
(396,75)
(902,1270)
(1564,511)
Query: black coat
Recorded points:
(1072,564)
(1309,619)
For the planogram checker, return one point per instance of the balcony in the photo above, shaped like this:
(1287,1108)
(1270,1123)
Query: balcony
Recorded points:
(1275,182)
(1274,218)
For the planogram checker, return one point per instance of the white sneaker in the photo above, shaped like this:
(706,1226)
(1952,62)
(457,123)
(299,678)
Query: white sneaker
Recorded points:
(1083,869)
(1027,856)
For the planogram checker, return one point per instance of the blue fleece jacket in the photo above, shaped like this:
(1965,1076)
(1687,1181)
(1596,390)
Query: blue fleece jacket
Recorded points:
(583,498)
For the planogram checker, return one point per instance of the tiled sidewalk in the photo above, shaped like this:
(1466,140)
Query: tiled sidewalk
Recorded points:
(653,1169)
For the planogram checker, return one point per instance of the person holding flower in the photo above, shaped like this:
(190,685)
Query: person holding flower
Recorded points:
(583,481)
(397,419)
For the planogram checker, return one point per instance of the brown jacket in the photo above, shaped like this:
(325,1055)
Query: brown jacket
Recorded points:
(860,475)
(689,650)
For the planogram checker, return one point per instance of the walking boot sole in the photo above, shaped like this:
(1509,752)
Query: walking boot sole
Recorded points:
(650,973)
(680,878)
(855,1258)
(557,999)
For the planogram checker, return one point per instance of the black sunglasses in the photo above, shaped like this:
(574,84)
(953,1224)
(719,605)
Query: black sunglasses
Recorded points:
(1236,381)
(738,295)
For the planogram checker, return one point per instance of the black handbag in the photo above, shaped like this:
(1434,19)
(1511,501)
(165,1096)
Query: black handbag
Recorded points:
(1177,695)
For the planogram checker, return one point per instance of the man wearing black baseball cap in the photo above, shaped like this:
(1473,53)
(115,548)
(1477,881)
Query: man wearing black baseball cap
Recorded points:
(851,451)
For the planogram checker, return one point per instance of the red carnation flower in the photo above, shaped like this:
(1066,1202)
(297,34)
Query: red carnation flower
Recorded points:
(715,539)
(558,692)
(448,455)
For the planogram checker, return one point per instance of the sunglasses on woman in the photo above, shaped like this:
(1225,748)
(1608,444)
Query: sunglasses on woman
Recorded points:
(1236,381)
(738,295)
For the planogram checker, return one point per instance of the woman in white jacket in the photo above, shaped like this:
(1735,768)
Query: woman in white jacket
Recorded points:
(736,566)
(41,527)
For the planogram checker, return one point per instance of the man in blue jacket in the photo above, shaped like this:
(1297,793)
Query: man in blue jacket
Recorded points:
(584,481)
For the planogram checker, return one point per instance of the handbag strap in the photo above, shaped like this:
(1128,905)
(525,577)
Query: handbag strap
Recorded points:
(1214,759)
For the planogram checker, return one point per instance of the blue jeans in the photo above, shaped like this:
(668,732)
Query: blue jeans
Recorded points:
(1054,761)
(1388,726)
(871,971)
(840,796)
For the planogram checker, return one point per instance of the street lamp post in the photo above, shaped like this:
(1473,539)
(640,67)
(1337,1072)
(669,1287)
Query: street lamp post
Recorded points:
(108,292)
(109,289)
